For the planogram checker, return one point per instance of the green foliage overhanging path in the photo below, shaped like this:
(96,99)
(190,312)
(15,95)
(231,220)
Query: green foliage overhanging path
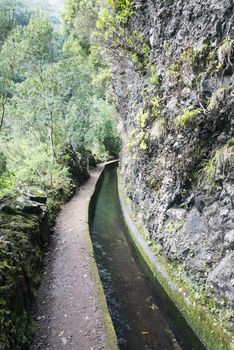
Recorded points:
(54,91)
(68,310)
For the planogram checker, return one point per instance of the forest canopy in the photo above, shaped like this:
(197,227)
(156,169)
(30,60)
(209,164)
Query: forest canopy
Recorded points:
(54,91)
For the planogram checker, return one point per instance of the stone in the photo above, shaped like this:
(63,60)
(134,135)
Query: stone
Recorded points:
(176,213)
(137,196)
(229,240)
(189,200)
(23,202)
(36,195)
(206,87)
(220,279)
(224,212)
(222,138)
(26,205)
(195,223)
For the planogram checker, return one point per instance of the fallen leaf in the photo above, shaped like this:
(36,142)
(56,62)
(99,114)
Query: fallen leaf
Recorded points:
(153,307)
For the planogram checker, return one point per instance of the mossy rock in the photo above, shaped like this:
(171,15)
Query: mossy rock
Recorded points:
(21,251)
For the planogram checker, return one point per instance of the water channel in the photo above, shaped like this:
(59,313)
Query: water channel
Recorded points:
(143,315)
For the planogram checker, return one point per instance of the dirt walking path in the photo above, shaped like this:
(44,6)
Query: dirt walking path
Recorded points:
(68,313)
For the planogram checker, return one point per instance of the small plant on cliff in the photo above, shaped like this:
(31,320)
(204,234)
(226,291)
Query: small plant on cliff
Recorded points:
(138,139)
(114,31)
(217,165)
(153,74)
(111,23)
(172,226)
(174,70)
(142,118)
(188,115)
(225,52)
(201,61)
(217,97)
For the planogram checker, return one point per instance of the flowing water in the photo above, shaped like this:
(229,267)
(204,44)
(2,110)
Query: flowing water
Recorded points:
(142,314)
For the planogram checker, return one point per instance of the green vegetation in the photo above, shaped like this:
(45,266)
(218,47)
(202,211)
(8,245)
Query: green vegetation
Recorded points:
(203,62)
(174,70)
(216,166)
(148,125)
(142,118)
(20,257)
(138,139)
(139,136)
(54,92)
(172,226)
(188,115)
(55,111)
(114,33)
(113,17)
(153,78)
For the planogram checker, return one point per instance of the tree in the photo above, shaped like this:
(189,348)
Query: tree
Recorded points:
(103,131)
(6,19)
(80,19)
(53,92)
(11,57)
(40,43)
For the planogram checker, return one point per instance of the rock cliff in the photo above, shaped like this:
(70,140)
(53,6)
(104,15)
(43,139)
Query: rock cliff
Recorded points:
(172,65)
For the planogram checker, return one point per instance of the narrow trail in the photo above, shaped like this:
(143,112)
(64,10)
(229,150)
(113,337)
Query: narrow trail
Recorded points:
(67,312)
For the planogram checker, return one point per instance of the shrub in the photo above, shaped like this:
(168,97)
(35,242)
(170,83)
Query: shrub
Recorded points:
(187,116)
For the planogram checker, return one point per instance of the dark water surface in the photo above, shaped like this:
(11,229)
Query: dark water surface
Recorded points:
(143,315)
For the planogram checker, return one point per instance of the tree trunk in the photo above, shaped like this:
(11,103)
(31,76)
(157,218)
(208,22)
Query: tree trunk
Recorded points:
(52,134)
(3,114)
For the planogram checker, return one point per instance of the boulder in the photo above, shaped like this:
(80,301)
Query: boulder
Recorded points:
(24,203)
(195,223)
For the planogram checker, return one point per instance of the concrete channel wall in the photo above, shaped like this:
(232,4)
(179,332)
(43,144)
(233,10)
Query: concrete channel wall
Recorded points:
(110,335)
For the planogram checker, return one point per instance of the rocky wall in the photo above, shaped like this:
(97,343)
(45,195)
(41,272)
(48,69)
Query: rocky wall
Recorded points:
(174,92)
